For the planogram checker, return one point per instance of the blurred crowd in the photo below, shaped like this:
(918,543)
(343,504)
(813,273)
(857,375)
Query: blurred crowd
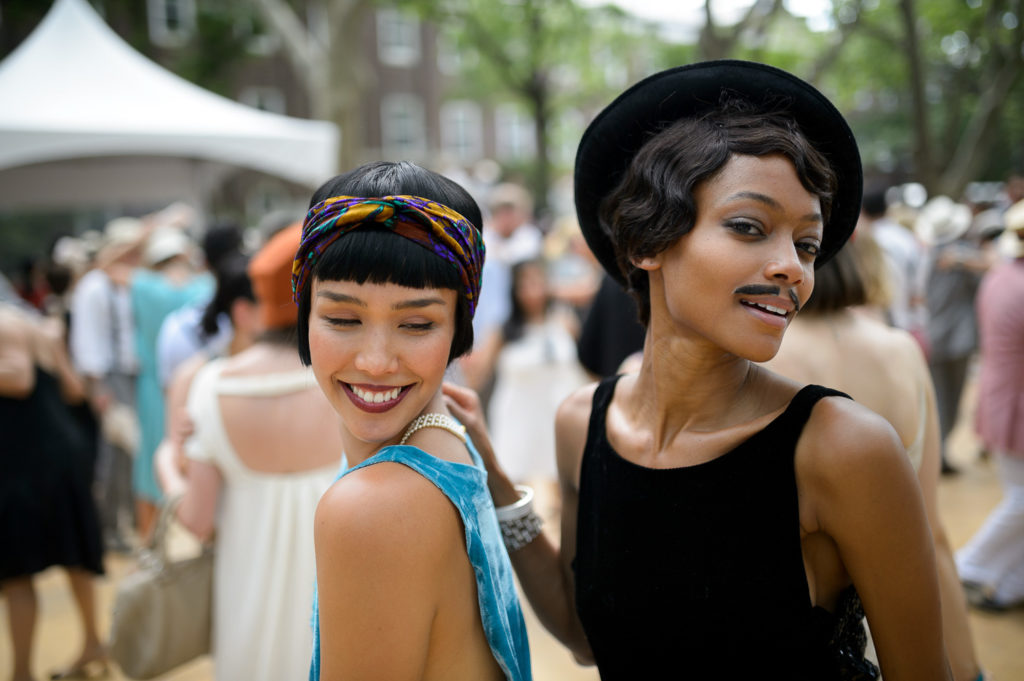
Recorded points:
(119,324)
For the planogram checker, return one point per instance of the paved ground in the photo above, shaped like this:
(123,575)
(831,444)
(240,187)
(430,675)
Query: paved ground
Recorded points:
(965,501)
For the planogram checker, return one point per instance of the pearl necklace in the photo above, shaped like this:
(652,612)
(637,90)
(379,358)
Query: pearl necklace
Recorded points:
(435,420)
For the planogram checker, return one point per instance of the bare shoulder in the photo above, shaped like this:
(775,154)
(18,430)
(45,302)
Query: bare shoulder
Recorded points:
(574,411)
(17,375)
(896,345)
(571,423)
(441,444)
(842,433)
(847,451)
(14,326)
(387,511)
(181,379)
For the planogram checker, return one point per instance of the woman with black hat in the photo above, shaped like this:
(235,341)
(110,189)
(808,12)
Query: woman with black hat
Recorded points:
(719,519)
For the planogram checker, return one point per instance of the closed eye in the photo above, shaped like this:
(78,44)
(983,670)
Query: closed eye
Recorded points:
(424,326)
(341,321)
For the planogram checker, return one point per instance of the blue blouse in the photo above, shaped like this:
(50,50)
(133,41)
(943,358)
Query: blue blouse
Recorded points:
(466,487)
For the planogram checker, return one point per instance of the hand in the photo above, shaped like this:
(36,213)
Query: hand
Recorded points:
(169,471)
(464,404)
(100,399)
(181,427)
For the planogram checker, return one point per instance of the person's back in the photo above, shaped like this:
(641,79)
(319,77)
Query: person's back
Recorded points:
(258,461)
(857,354)
(285,434)
(259,420)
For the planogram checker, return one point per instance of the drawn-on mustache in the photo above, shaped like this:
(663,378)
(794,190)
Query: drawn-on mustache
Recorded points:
(767,290)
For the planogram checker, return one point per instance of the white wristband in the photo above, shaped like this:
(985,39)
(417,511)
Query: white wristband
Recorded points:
(520,509)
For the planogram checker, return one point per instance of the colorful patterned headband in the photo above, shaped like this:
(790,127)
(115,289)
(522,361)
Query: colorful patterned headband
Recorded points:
(437,228)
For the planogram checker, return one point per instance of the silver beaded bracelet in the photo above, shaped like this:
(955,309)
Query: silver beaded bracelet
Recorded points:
(519,524)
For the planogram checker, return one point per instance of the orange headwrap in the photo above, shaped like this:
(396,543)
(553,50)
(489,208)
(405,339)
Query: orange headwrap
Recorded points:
(271,273)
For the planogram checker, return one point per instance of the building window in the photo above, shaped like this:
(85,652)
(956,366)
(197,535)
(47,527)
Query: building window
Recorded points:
(171,22)
(398,38)
(258,40)
(403,129)
(264,98)
(452,59)
(462,130)
(515,135)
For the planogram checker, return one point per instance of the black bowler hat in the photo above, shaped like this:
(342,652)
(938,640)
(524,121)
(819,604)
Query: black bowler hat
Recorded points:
(616,135)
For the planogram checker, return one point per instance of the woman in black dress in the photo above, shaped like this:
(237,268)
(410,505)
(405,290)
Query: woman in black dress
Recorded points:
(720,521)
(47,513)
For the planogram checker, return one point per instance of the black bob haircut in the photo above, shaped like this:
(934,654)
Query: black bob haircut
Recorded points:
(377,255)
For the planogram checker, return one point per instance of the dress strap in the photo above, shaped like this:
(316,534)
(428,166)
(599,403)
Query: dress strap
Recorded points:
(599,408)
(803,402)
(267,385)
(915,452)
(794,418)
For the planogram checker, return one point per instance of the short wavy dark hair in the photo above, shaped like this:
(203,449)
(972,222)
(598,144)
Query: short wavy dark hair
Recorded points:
(377,255)
(654,205)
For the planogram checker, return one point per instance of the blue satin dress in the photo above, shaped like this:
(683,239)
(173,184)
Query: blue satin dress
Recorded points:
(466,487)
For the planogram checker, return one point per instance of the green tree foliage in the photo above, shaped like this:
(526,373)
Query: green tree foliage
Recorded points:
(934,87)
(325,62)
(551,56)
(219,47)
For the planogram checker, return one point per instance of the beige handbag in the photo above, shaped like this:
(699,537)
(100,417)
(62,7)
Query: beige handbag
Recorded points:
(161,614)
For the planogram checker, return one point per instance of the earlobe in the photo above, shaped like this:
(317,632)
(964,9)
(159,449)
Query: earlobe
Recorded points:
(648,263)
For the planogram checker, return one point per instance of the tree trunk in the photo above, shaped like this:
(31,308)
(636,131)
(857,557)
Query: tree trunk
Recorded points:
(976,141)
(331,73)
(923,166)
(346,80)
(539,100)
(710,44)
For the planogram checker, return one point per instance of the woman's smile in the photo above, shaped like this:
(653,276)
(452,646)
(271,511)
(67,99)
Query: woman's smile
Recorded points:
(375,399)
(379,352)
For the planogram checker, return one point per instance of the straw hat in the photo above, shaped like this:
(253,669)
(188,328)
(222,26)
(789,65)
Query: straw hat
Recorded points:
(165,243)
(1010,244)
(120,236)
(942,220)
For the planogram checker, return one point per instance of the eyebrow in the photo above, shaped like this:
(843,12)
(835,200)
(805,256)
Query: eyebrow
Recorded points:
(772,203)
(414,303)
(417,302)
(339,298)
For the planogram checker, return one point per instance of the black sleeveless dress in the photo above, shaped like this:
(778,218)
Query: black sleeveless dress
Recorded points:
(47,511)
(697,572)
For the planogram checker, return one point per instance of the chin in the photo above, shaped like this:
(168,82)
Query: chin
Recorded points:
(762,353)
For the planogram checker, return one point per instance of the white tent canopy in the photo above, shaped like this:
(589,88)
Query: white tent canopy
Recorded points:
(77,100)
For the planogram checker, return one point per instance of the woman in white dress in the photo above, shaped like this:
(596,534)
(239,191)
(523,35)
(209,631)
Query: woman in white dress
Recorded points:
(535,368)
(256,466)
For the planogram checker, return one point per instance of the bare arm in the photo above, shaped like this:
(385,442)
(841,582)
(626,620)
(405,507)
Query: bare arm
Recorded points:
(853,470)
(198,482)
(544,571)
